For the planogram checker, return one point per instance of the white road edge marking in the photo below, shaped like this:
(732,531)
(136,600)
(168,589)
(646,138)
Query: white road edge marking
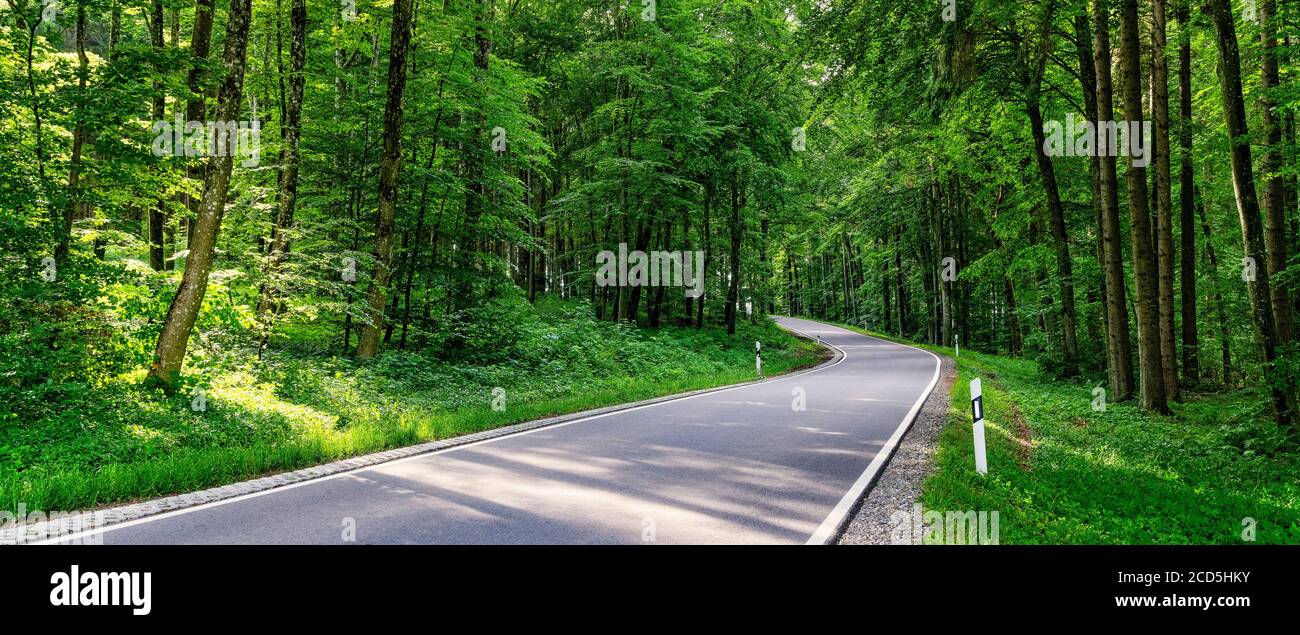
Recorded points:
(227,501)
(839,515)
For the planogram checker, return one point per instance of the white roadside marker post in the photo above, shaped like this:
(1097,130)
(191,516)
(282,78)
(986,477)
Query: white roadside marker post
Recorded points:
(758,358)
(956,344)
(977,416)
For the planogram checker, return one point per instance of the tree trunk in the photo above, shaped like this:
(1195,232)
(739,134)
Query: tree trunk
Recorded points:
(419,223)
(737,231)
(1164,225)
(900,291)
(886,298)
(1151,377)
(1275,236)
(1119,352)
(169,353)
(474,151)
(929,274)
(1017,338)
(78,138)
(943,311)
(1243,181)
(1292,193)
(1015,342)
(1186,201)
(1088,84)
(282,230)
(114,36)
(655,308)
(390,166)
(38,129)
(195,107)
(1216,297)
(708,254)
(170,232)
(769,270)
(1056,222)
(642,244)
(157,213)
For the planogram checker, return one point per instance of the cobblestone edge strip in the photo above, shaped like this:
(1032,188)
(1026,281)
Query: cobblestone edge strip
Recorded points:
(76,522)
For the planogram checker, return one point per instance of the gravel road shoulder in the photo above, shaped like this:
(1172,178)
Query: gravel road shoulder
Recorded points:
(899,485)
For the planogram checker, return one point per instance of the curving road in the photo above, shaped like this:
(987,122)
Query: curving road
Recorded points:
(738,465)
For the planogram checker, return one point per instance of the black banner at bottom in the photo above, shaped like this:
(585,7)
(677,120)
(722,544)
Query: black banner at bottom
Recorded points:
(176,585)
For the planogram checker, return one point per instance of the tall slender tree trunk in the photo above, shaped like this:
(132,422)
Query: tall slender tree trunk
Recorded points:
(1088,84)
(737,231)
(1056,223)
(157,213)
(1292,188)
(169,353)
(929,273)
(658,306)
(708,254)
(642,243)
(195,105)
(1164,225)
(115,25)
(114,36)
(474,155)
(900,291)
(1275,225)
(169,233)
(1186,201)
(424,193)
(963,287)
(390,166)
(1016,339)
(1055,210)
(1046,323)
(1216,296)
(282,230)
(1119,352)
(937,214)
(1009,291)
(1145,273)
(1243,181)
(78,137)
(886,296)
(30,26)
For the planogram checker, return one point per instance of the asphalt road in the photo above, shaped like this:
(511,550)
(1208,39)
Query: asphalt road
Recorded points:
(740,465)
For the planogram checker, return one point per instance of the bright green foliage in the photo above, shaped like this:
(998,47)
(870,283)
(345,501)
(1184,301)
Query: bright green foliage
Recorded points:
(922,144)
(825,157)
(1116,477)
(72,445)
(1063,472)
(615,129)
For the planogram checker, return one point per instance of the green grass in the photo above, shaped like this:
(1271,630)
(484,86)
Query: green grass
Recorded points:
(1118,476)
(117,442)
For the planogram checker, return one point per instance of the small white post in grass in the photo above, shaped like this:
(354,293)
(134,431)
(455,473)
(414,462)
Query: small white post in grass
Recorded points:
(758,358)
(977,416)
(956,345)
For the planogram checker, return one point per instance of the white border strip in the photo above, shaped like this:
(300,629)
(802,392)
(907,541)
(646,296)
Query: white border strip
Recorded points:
(235,499)
(830,527)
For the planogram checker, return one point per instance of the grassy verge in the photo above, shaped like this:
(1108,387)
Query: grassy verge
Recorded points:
(1061,472)
(293,409)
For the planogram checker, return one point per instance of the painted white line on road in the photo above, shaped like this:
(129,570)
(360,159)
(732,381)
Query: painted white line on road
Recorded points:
(830,527)
(227,501)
